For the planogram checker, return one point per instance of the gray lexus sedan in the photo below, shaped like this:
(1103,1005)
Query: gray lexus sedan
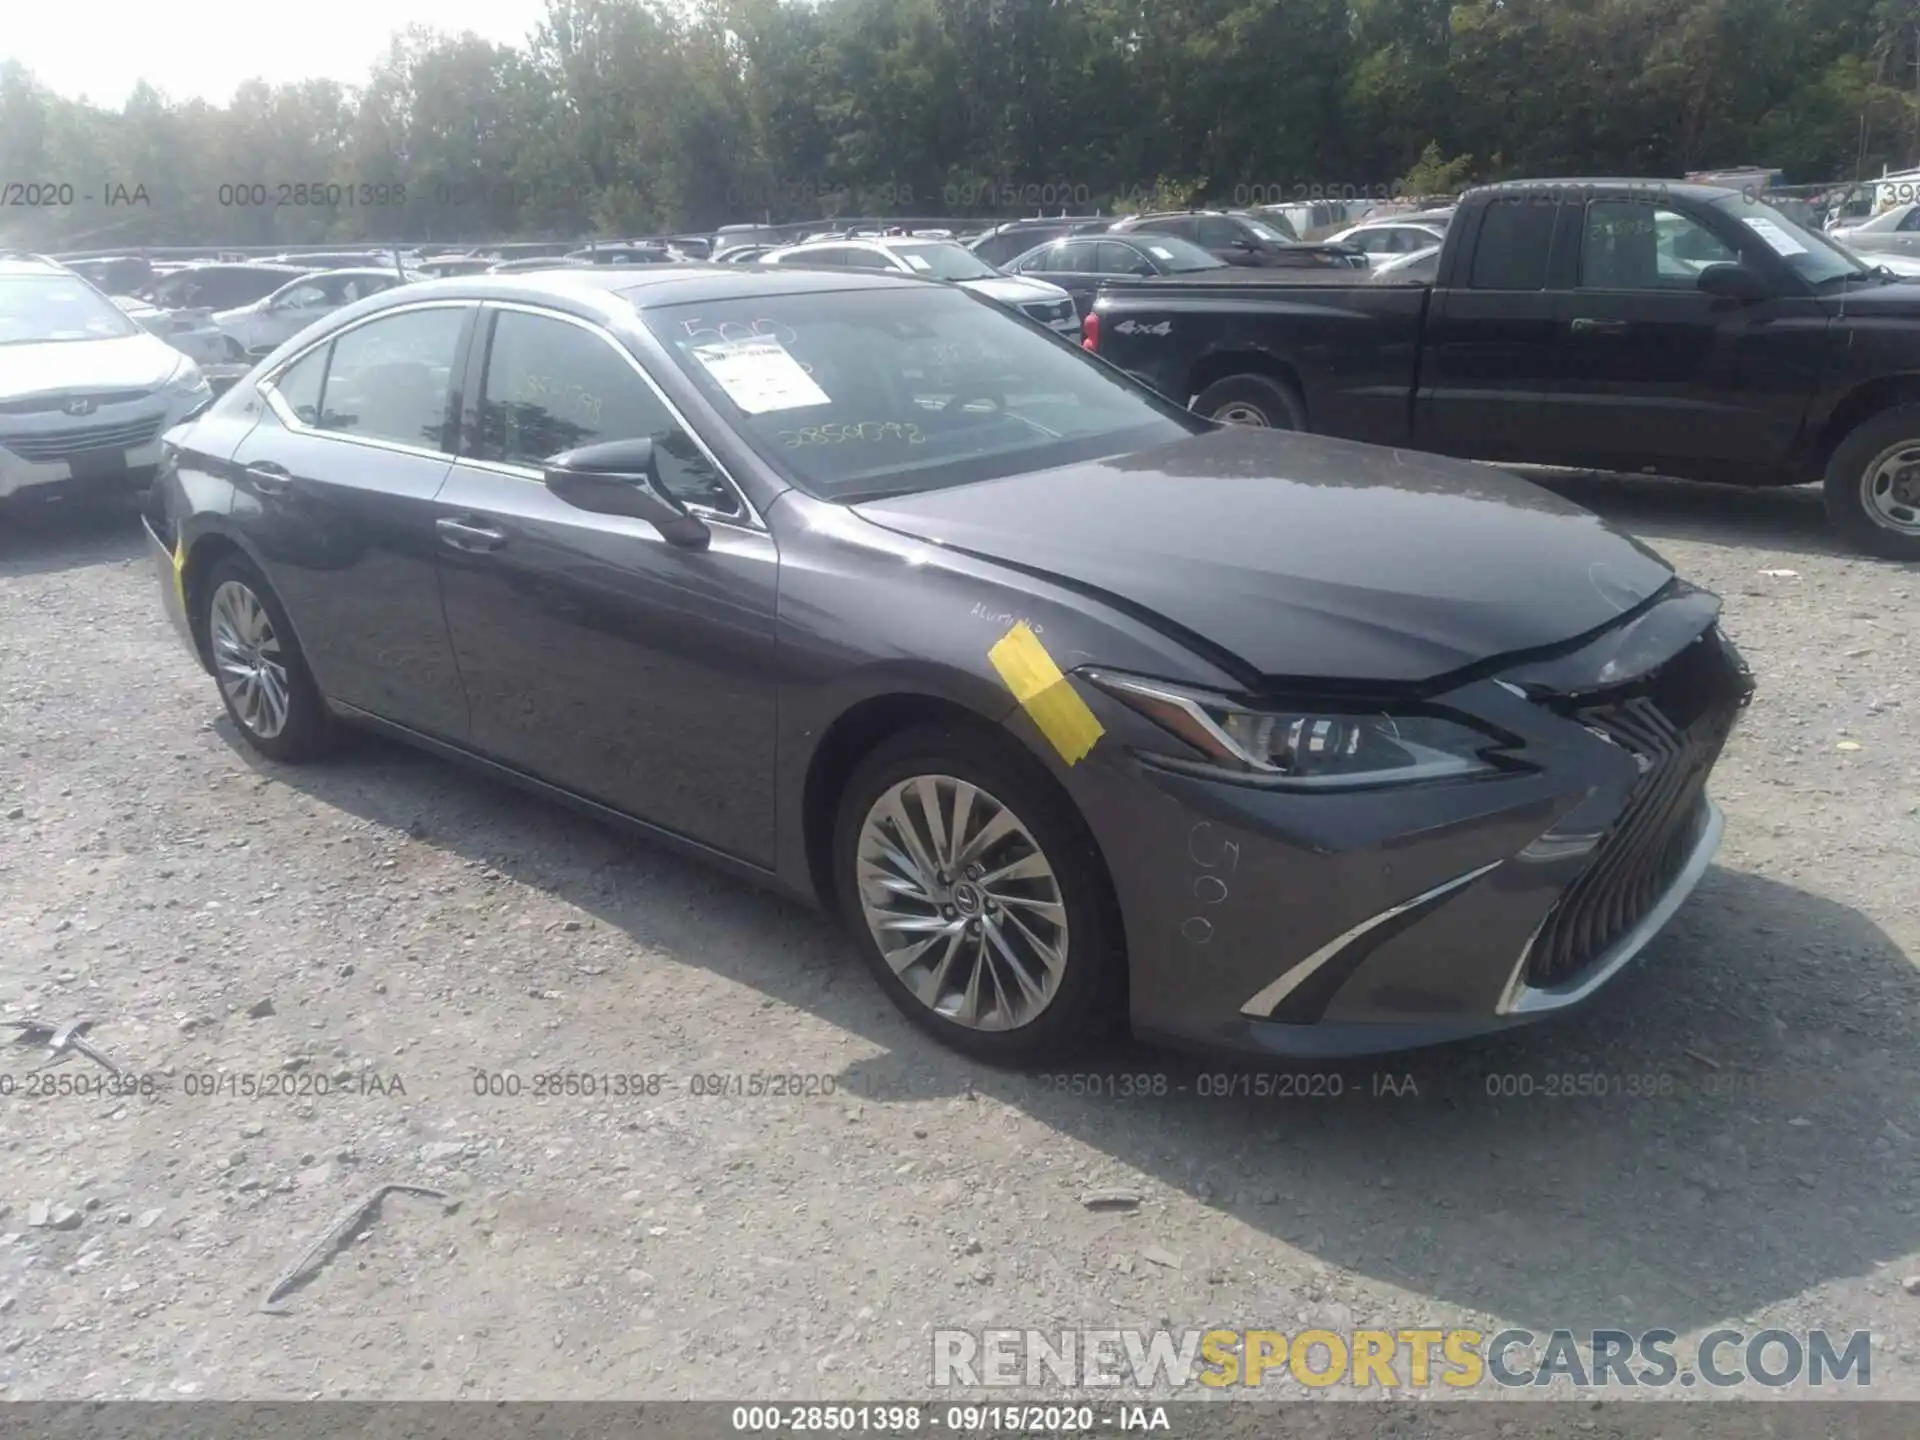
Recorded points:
(1080,710)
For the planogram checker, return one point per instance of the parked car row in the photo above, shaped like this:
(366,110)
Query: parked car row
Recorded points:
(1702,334)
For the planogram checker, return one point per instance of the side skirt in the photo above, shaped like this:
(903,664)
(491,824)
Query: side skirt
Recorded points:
(619,819)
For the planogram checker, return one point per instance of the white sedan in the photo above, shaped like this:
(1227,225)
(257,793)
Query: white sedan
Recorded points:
(1383,239)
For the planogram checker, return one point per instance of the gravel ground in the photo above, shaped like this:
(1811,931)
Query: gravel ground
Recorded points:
(393,925)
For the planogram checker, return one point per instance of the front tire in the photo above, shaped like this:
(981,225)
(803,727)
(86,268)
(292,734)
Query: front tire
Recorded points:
(1256,400)
(1872,487)
(263,678)
(977,897)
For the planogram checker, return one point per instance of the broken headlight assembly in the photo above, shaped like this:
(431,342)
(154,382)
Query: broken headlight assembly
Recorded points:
(1309,746)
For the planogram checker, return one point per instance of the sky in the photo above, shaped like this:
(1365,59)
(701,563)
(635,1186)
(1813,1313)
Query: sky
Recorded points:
(191,51)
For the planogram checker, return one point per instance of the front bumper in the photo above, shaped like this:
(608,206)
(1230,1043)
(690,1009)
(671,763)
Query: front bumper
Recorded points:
(1263,921)
(169,571)
(127,471)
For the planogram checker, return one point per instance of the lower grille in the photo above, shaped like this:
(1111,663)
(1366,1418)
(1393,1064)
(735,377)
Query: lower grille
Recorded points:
(64,444)
(53,403)
(1674,726)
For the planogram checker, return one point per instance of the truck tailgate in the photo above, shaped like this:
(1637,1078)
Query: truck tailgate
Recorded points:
(1352,349)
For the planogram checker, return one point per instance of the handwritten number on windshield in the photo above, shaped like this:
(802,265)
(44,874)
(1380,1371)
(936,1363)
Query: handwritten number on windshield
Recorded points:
(872,431)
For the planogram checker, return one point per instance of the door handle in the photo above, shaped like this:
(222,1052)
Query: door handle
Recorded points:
(269,478)
(1587,325)
(466,535)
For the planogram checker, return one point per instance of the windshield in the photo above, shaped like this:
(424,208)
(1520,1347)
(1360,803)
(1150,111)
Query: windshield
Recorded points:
(1807,253)
(944,260)
(1264,230)
(36,309)
(1176,255)
(853,394)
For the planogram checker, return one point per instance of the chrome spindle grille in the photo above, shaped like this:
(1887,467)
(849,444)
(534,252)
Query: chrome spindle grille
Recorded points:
(1661,822)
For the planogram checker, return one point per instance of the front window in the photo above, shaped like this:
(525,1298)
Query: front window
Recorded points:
(853,395)
(39,309)
(551,386)
(1264,231)
(944,262)
(1809,254)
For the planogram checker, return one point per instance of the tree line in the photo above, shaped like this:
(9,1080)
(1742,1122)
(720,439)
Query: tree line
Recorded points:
(627,117)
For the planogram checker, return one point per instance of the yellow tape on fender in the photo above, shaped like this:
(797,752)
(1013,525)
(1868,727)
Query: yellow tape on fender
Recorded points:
(1045,694)
(180,571)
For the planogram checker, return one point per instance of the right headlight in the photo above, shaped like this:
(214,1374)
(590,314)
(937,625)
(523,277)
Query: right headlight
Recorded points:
(1308,747)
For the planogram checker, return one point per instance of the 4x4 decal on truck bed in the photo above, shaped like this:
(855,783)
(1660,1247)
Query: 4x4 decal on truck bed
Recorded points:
(1134,327)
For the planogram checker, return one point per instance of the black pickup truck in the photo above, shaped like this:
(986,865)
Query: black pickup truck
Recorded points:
(1623,325)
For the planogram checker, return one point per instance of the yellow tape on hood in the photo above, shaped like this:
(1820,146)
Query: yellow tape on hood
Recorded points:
(1045,694)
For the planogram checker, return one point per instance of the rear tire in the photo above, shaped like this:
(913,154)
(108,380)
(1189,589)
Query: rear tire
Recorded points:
(264,681)
(1255,400)
(966,953)
(1872,486)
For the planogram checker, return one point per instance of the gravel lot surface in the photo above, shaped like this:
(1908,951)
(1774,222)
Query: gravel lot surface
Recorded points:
(389,925)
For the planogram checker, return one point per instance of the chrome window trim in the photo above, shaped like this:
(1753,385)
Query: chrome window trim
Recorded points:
(1262,1005)
(267,387)
(749,518)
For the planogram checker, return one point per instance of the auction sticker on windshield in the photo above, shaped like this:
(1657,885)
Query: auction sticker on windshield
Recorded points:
(759,375)
(1780,240)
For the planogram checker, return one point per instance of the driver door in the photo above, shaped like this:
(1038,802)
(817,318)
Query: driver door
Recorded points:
(597,656)
(1652,370)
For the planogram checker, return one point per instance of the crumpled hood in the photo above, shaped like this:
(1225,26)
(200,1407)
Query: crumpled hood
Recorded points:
(135,362)
(1307,557)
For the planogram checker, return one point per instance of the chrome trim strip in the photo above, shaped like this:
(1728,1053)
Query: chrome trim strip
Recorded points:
(1520,998)
(1261,1006)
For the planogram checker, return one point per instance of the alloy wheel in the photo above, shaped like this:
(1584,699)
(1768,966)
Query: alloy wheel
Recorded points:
(962,902)
(247,659)
(1890,489)
(1240,413)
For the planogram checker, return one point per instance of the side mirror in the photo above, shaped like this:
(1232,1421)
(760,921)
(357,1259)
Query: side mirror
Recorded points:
(619,478)
(1732,282)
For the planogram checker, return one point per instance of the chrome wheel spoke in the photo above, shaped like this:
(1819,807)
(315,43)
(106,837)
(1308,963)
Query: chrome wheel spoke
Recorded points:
(1051,911)
(907,839)
(984,950)
(1032,992)
(934,980)
(1027,867)
(927,791)
(998,827)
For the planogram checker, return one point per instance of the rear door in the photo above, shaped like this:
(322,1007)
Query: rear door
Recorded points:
(597,656)
(1488,364)
(334,488)
(1654,372)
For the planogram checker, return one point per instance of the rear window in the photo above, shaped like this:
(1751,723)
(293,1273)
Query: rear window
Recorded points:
(1515,240)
